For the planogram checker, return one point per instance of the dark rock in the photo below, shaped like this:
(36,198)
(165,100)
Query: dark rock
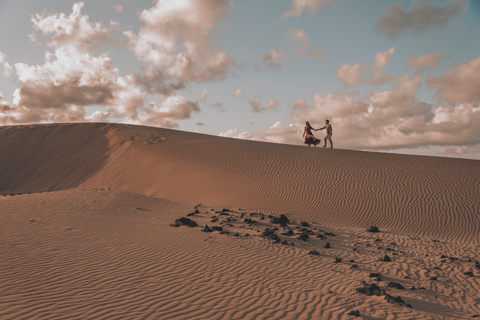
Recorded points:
(354,266)
(327,245)
(313,252)
(378,240)
(443,256)
(285,242)
(476,316)
(303,236)
(413,288)
(395,285)
(268,232)
(185,222)
(468,273)
(224,232)
(207,229)
(249,221)
(395,300)
(477,265)
(217,228)
(225,210)
(374,275)
(282,220)
(433,279)
(320,236)
(351,260)
(237,234)
(354,313)
(223,214)
(386,259)
(288,233)
(369,289)
(191,214)
(337,260)
(330,234)
(214,219)
(304,224)
(373,229)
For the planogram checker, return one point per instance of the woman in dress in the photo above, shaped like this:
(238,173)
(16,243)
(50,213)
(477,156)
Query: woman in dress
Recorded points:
(309,137)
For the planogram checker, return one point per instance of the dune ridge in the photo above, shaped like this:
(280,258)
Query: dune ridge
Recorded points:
(417,195)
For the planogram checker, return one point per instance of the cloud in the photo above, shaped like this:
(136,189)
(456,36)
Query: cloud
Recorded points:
(171,108)
(423,62)
(257,107)
(7,68)
(421,17)
(298,6)
(155,81)
(382,60)
(118,8)
(176,36)
(298,35)
(73,30)
(351,75)
(219,106)
(203,96)
(460,150)
(238,93)
(274,59)
(459,84)
(278,133)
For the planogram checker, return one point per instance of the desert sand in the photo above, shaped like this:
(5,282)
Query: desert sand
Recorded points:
(89,228)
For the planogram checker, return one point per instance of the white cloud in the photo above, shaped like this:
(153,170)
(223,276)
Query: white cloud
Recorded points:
(421,17)
(298,6)
(459,84)
(298,35)
(382,60)
(176,36)
(172,108)
(257,107)
(118,8)
(460,150)
(351,75)
(278,133)
(203,96)
(7,68)
(425,61)
(73,30)
(238,93)
(274,59)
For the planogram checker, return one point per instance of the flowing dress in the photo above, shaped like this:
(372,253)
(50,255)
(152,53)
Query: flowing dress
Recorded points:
(310,138)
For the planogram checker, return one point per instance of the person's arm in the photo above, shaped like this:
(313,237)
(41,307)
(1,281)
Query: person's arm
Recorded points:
(321,128)
(303,132)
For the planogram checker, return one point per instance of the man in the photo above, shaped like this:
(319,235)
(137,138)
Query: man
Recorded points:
(328,128)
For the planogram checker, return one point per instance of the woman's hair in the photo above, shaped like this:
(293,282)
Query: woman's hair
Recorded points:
(307,123)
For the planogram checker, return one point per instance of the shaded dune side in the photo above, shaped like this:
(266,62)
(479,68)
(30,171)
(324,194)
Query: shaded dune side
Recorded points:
(411,194)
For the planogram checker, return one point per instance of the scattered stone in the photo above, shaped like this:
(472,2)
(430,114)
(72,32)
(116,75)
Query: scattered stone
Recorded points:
(304,224)
(413,288)
(268,232)
(327,245)
(396,300)
(223,214)
(351,260)
(285,242)
(249,221)
(225,210)
(354,266)
(395,285)
(378,240)
(282,220)
(288,233)
(433,279)
(386,259)
(373,229)
(32,220)
(468,273)
(477,265)
(354,313)
(443,256)
(185,222)
(337,260)
(217,229)
(330,234)
(369,289)
(236,234)
(224,232)
(207,229)
(320,236)
(374,275)
(314,252)
(303,236)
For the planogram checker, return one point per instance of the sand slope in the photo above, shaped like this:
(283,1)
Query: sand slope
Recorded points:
(416,195)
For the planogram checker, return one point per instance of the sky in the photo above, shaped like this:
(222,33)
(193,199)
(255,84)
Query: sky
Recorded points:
(391,76)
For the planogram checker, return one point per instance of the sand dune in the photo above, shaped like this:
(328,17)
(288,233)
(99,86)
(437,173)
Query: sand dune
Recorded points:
(87,209)
(416,195)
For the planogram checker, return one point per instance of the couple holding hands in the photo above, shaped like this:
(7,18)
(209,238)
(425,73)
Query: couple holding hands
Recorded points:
(310,138)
